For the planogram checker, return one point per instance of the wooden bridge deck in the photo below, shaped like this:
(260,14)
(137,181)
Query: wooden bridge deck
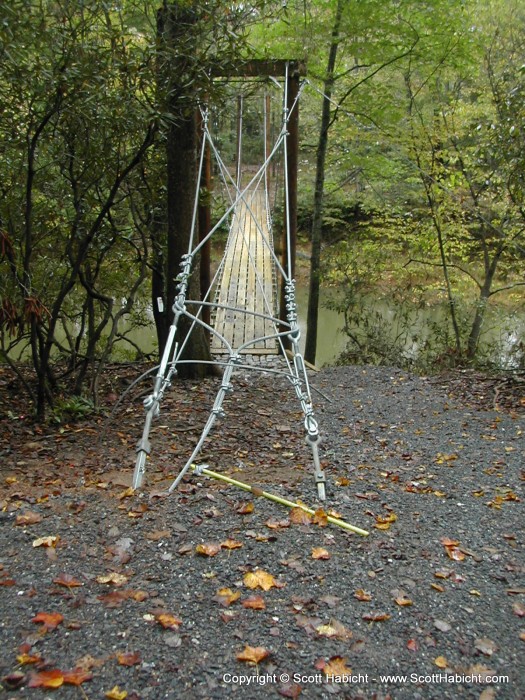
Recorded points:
(247,281)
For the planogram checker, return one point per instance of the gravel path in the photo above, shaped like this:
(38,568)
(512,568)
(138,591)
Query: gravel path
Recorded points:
(155,593)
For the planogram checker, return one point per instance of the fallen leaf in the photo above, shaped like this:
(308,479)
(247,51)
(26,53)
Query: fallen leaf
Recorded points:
(290,690)
(383,522)
(50,541)
(298,516)
(208,549)
(225,596)
(168,621)
(157,535)
(245,508)
(231,544)
(440,662)
(376,617)
(252,655)
(28,518)
(403,601)
(333,629)
(46,679)
(77,676)
(49,620)
(320,517)
(275,524)
(412,645)
(116,694)
(336,666)
(128,658)
(25,659)
(320,553)
(254,602)
(67,580)
(113,578)
(486,646)
(363,596)
(518,609)
(260,579)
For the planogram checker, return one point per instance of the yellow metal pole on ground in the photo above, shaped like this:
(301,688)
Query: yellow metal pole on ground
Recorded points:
(277,499)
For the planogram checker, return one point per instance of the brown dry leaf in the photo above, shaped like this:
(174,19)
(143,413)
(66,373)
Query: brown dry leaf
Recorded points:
(275,524)
(67,580)
(320,517)
(440,662)
(116,694)
(412,645)
(261,579)
(225,596)
(231,544)
(363,596)
(298,516)
(128,658)
(50,541)
(245,508)
(254,602)
(518,609)
(47,679)
(128,493)
(336,666)
(376,617)
(455,553)
(168,621)
(402,600)
(28,518)
(290,690)
(138,596)
(320,553)
(157,535)
(49,620)
(522,635)
(383,522)
(447,542)
(333,629)
(208,549)
(252,655)
(113,578)
(88,662)
(486,646)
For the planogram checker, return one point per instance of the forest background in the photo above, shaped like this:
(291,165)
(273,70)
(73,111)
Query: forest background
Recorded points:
(411,186)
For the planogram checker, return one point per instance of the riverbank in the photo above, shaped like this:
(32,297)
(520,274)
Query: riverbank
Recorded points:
(154,595)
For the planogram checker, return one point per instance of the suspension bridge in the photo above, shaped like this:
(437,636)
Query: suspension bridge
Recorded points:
(252,294)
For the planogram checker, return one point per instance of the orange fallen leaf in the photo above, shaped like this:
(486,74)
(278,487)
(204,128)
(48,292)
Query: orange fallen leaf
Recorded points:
(252,655)
(225,596)
(455,553)
(116,694)
(245,508)
(320,517)
(260,579)
(67,580)
(254,602)
(46,679)
(320,553)
(376,617)
(336,666)
(25,659)
(231,544)
(208,549)
(412,645)
(403,601)
(77,676)
(363,596)
(440,662)
(128,658)
(298,516)
(383,522)
(168,621)
(49,620)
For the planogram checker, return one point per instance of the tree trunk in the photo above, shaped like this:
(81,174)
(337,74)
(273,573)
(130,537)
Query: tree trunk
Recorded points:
(181,161)
(317,220)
